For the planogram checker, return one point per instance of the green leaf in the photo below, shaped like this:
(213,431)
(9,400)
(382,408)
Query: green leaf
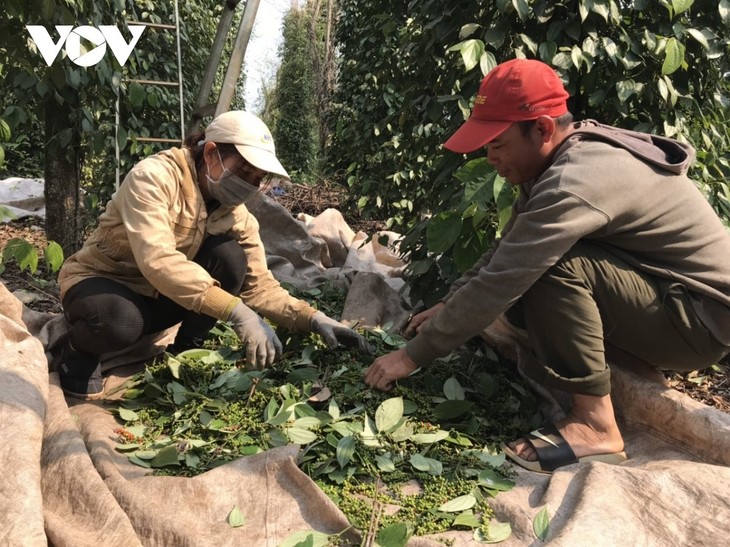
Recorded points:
(194,354)
(236,518)
(285,413)
(468,30)
(23,253)
(541,524)
(345,450)
(166,456)
(427,465)
(300,436)
(4,131)
(702,36)
(724,9)
(430,438)
(54,256)
(467,518)
(458,504)
(680,6)
(471,52)
(442,230)
(174,366)
(128,415)
(453,389)
(385,464)
(547,51)
(522,8)
(451,409)
(389,414)
(493,480)
(307,422)
(122,137)
(498,532)
(395,535)
(310,538)
(487,62)
(333,410)
(673,56)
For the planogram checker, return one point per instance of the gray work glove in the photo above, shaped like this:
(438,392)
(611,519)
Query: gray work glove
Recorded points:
(335,333)
(262,345)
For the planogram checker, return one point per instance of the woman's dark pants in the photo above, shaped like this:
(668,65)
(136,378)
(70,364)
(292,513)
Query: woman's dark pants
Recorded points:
(106,316)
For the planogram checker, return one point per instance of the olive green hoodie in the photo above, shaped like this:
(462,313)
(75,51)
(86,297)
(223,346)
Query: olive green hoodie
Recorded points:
(625,190)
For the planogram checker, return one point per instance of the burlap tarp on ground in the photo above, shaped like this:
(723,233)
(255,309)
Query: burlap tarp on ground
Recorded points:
(64,484)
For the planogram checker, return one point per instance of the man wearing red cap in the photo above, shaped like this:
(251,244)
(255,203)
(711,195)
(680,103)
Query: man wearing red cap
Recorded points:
(610,248)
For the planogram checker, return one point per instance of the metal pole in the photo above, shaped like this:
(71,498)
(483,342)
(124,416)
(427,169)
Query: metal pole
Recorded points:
(116,139)
(206,84)
(236,61)
(179,72)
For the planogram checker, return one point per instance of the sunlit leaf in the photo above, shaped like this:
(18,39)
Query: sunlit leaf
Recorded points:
(128,415)
(468,30)
(467,518)
(497,532)
(23,253)
(471,52)
(680,6)
(673,56)
(459,504)
(300,436)
(235,517)
(334,409)
(493,480)
(310,538)
(429,438)
(541,523)
(522,8)
(54,256)
(388,414)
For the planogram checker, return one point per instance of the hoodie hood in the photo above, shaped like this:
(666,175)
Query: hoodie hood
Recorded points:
(662,152)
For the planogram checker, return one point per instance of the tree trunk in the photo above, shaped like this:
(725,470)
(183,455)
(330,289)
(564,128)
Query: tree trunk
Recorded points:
(61,189)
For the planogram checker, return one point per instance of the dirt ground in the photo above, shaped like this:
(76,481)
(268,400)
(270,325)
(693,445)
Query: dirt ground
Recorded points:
(710,386)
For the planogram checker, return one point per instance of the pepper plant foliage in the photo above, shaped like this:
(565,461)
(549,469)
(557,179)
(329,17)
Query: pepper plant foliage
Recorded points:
(194,411)
(409,71)
(68,111)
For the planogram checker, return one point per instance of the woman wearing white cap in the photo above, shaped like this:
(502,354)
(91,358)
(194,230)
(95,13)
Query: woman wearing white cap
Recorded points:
(176,244)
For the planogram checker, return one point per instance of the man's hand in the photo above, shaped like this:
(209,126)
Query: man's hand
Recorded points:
(388,368)
(262,345)
(420,320)
(335,333)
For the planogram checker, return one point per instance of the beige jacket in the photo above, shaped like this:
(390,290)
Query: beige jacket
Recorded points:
(152,229)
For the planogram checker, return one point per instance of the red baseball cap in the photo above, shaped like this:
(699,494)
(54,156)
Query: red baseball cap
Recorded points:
(514,91)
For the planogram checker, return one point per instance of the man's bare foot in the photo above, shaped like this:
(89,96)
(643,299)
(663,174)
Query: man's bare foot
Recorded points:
(589,429)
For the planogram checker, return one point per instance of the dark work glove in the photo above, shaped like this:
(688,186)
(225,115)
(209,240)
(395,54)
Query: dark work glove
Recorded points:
(335,333)
(262,345)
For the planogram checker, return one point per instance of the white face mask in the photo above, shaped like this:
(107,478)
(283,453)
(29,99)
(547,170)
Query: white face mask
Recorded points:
(230,190)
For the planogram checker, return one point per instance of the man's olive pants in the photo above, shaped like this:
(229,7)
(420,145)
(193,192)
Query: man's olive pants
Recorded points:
(591,297)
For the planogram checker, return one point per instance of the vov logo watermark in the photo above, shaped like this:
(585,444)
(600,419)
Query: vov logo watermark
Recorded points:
(105,35)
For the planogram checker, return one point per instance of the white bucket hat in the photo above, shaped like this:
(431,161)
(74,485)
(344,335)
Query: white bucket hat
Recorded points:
(251,138)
